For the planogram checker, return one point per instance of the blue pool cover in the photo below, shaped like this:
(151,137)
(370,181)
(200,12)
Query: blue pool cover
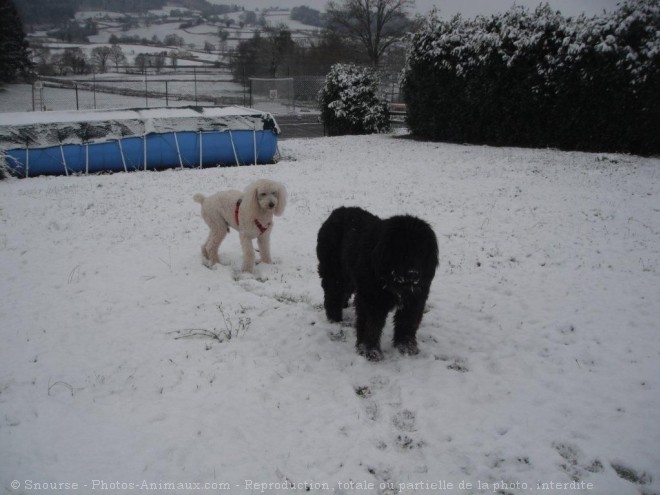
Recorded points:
(235,136)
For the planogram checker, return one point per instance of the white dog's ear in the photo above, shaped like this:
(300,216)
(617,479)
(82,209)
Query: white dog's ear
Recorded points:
(249,203)
(281,200)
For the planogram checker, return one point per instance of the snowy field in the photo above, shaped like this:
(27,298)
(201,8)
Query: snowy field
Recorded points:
(126,364)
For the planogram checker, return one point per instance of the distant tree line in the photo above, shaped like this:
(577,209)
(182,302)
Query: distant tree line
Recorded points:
(74,60)
(72,31)
(272,52)
(122,5)
(207,8)
(539,79)
(307,15)
(57,12)
(46,12)
(169,40)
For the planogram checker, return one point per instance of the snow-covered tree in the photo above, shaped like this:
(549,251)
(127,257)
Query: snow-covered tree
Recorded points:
(350,103)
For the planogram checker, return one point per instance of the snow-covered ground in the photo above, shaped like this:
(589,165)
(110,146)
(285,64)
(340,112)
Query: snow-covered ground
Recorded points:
(126,362)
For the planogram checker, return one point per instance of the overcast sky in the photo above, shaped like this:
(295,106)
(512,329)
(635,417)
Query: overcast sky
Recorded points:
(447,8)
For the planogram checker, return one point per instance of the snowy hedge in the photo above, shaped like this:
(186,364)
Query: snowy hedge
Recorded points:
(536,78)
(350,103)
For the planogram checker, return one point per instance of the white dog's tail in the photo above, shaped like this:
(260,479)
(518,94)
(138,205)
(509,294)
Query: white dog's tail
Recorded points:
(199,198)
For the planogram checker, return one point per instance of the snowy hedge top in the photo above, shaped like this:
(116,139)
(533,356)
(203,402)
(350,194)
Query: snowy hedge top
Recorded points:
(39,129)
(631,34)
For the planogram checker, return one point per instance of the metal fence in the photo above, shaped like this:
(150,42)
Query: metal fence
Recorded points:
(286,96)
(390,87)
(67,94)
(51,93)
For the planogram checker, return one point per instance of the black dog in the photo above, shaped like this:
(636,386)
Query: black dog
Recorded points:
(386,264)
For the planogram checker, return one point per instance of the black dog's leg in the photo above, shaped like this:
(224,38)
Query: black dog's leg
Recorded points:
(328,251)
(370,322)
(406,322)
(349,289)
(333,300)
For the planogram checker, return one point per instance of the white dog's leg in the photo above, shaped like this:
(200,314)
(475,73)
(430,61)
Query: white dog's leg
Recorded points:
(263,241)
(248,254)
(210,249)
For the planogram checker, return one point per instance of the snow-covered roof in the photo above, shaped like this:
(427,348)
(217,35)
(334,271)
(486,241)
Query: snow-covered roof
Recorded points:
(39,129)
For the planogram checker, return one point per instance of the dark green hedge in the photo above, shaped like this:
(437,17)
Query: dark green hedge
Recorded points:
(539,79)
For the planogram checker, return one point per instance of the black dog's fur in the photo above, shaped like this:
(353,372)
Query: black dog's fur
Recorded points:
(386,264)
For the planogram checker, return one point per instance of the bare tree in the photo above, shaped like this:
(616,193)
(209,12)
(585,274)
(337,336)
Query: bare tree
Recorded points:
(75,59)
(174,40)
(376,24)
(224,36)
(174,58)
(100,57)
(142,61)
(117,56)
(42,58)
(159,60)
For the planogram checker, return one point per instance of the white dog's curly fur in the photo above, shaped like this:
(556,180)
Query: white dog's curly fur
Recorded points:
(250,213)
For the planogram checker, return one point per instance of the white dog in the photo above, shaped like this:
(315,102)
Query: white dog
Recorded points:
(250,213)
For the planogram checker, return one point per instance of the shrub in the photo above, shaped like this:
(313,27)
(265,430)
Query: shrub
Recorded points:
(539,79)
(350,103)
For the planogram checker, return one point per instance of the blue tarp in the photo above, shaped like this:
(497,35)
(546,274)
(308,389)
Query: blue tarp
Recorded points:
(168,150)
(177,138)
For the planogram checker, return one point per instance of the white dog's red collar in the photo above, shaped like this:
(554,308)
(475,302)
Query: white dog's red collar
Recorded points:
(261,228)
(259,225)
